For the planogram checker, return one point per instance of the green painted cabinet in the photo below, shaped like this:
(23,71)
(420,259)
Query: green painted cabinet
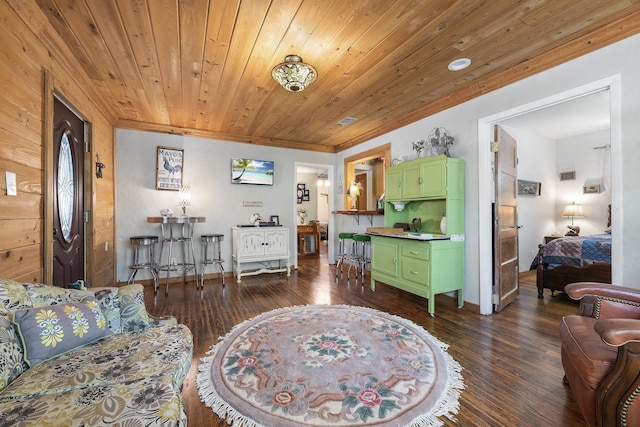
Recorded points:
(430,188)
(424,268)
(430,177)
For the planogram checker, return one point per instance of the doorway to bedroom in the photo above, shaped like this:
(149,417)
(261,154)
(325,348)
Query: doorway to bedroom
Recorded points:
(575,132)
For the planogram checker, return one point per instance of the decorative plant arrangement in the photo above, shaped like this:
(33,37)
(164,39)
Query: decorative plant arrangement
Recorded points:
(439,142)
(418,146)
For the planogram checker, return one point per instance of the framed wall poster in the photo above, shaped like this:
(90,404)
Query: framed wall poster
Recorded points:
(169,167)
(250,171)
(588,189)
(529,188)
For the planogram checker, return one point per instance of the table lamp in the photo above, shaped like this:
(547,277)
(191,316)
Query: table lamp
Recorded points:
(184,199)
(573,210)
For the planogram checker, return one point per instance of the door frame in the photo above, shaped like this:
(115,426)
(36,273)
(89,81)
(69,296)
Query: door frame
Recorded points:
(485,180)
(49,95)
(330,226)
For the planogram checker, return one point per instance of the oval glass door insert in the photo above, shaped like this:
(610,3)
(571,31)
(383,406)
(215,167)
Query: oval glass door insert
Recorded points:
(66,189)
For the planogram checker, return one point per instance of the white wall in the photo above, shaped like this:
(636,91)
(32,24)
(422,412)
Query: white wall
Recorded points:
(592,166)
(207,169)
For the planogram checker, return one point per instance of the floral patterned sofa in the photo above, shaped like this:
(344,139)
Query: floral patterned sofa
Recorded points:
(84,358)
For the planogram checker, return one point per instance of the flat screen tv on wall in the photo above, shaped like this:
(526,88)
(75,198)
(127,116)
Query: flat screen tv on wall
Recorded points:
(250,171)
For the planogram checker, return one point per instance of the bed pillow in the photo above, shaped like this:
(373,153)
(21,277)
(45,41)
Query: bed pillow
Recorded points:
(11,355)
(55,329)
(133,314)
(110,306)
(608,230)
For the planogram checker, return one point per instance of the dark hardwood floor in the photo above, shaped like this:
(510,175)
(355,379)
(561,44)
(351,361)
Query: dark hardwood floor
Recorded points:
(511,360)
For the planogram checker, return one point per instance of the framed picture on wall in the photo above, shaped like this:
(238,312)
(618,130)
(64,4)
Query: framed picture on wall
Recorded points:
(169,167)
(529,188)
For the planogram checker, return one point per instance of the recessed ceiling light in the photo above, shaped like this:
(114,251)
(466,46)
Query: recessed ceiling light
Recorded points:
(459,64)
(347,121)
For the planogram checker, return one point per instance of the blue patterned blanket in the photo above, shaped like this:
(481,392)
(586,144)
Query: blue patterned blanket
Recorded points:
(576,250)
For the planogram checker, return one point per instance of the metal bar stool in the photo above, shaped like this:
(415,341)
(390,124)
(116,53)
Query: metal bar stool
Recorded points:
(138,244)
(343,251)
(211,241)
(361,255)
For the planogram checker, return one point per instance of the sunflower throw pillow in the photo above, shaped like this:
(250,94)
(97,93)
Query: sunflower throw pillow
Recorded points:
(55,329)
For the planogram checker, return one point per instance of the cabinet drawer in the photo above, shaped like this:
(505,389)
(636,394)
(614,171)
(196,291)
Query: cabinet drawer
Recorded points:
(416,271)
(420,251)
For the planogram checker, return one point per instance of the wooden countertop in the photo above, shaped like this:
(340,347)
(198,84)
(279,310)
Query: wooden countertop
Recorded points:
(356,212)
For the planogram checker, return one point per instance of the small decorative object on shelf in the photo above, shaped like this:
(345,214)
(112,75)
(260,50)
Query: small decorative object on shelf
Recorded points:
(418,146)
(354,191)
(439,142)
(443,224)
(255,218)
(302,214)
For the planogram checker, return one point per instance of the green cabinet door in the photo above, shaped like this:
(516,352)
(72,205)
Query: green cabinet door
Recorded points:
(433,179)
(411,181)
(384,256)
(393,185)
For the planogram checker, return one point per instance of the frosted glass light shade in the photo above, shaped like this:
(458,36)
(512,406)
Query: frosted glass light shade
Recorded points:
(293,74)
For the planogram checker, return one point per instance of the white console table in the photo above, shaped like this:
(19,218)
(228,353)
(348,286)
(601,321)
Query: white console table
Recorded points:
(262,245)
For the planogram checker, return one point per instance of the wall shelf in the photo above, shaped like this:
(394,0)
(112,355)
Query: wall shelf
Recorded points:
(356,214)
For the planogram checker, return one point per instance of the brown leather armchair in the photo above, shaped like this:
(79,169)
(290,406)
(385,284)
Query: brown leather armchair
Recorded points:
(601,353)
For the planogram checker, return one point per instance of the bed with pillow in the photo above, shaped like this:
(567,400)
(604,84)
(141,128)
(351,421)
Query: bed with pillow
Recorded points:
(572,259)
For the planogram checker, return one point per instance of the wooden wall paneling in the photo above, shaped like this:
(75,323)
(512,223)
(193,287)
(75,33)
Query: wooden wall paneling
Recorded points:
(17,233)
(19,261)
(28,179)
(103,207)
(35,62)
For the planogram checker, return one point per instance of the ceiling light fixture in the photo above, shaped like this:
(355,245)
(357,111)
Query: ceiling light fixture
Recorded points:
(293,74)
(347,121)
(459,64)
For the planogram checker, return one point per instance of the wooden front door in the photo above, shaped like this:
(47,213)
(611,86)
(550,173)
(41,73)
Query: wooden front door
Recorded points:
(505,274)
(68,196)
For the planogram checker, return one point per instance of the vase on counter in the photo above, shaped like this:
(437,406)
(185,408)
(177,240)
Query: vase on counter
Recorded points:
(443,224)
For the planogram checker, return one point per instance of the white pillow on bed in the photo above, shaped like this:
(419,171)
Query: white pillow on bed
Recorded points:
(608,230)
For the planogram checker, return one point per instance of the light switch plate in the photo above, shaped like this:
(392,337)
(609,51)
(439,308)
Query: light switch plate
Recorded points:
(12,189)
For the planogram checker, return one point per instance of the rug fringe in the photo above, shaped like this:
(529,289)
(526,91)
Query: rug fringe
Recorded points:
(210,398)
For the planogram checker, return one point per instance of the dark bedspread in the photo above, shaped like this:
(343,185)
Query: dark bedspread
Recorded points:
(576,250)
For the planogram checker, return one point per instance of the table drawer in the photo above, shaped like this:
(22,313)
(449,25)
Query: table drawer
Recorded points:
(417,251)
(416,271)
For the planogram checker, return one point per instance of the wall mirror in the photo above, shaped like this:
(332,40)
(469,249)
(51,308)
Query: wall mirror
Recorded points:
(368,169)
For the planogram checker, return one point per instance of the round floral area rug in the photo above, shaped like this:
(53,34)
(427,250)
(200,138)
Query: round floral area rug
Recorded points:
(330,365)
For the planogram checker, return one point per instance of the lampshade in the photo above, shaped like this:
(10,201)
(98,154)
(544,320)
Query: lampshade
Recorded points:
(572,210)
(293,74)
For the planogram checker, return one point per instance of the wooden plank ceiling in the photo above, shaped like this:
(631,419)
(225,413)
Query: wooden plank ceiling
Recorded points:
(203,67)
